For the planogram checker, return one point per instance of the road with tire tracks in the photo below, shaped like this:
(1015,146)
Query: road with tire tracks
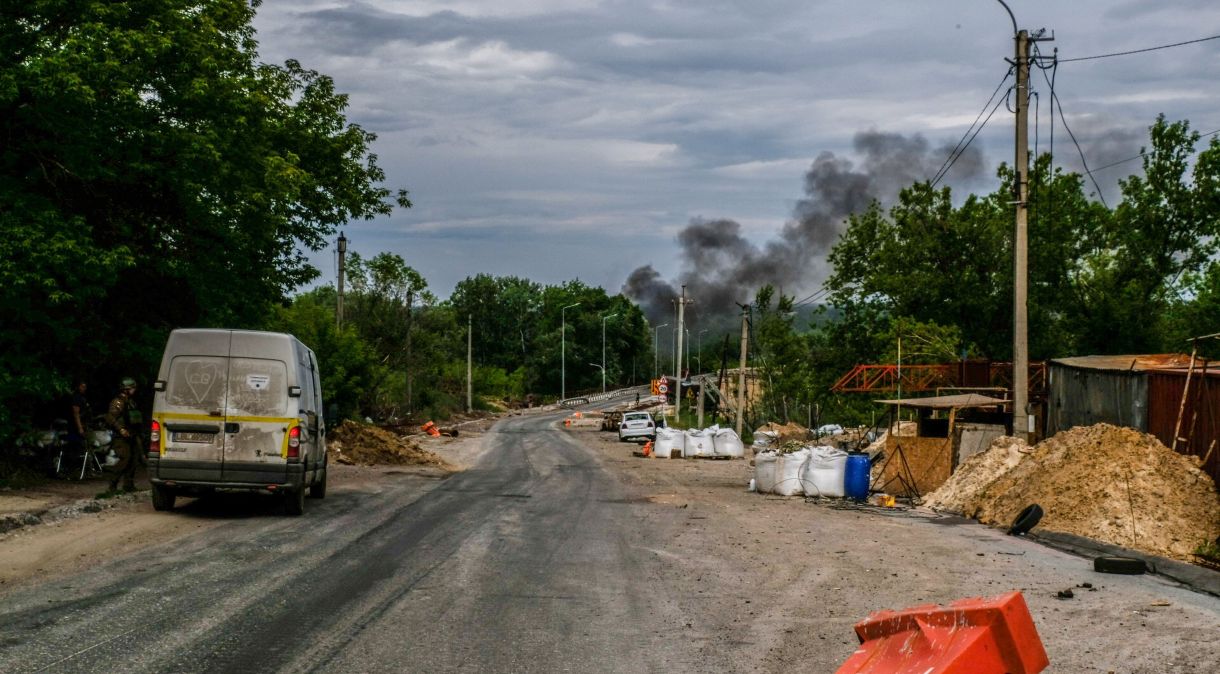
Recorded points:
(559,551)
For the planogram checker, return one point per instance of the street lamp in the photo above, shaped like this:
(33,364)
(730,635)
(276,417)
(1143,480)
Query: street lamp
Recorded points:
(603,369)
(604,319)
(656,371)
(563,351)
(699,353)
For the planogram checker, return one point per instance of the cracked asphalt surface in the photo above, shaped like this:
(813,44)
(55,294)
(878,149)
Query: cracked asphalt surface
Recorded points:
(559,551)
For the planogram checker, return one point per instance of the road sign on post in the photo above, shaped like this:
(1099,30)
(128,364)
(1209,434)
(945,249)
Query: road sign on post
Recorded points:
(662,389)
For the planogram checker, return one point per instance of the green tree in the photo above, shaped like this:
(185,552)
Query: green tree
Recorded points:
(155,174)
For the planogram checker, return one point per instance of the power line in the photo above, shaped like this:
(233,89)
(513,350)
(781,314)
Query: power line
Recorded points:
(1140,51)
(1084,162)
(1145,154)
(966,138)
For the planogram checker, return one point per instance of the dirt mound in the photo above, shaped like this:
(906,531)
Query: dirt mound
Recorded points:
(362,444)
(970,483)
(1110,484)
(787,432)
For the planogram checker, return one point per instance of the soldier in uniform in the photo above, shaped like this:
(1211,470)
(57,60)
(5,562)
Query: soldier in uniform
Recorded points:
(119,418)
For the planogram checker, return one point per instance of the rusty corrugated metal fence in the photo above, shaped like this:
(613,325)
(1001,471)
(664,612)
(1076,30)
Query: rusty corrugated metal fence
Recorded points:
(1200,428)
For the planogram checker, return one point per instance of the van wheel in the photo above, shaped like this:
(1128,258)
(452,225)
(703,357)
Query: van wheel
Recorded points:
(318,489)
(294,502)
(162,497)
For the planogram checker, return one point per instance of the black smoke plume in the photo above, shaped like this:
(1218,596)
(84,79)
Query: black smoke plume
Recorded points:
(720,267)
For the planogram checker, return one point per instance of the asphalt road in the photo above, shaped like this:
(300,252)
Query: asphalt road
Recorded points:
(559,551)
(523,563)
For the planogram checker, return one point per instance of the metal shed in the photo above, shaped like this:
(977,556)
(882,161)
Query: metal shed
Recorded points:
(1088,390)
(1197,422)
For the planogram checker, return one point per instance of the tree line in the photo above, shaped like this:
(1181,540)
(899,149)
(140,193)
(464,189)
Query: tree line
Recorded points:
(1137,277)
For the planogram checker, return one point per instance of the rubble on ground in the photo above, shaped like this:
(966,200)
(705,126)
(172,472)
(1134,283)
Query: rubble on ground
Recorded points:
(1111,484)
(784,432)
(354,443)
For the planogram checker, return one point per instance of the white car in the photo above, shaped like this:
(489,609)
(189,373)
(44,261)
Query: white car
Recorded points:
(636,425)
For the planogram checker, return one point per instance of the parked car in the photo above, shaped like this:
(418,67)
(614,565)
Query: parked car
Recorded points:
(636,425)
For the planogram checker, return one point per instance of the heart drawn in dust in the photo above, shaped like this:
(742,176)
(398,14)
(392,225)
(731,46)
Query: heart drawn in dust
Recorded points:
(201,376)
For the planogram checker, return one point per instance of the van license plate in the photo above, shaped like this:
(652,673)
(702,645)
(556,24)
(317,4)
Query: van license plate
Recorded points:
(182,436)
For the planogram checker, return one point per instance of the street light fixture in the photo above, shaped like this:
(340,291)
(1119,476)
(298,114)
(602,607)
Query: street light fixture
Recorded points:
(699,353)
(563,351)
(656,371)
(604,319)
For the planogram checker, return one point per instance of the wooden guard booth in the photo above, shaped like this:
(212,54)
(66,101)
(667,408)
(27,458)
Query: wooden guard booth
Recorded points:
(949,429)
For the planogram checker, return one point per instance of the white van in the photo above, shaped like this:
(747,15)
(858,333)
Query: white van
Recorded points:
(237,409)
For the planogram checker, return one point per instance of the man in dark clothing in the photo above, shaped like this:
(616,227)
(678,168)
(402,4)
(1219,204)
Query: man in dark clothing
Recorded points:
(79,417)
(119,418)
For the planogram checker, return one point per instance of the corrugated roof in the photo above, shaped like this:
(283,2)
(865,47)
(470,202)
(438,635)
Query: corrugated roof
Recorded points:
(1131,363)
(948,402)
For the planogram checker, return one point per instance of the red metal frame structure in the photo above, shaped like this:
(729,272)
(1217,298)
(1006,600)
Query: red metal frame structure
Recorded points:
(921,378)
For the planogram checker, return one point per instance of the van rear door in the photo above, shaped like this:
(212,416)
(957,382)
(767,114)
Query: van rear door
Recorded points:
(255,424)
(195,401)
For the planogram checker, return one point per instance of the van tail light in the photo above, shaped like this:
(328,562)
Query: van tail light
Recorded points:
(294,442)
(154,438)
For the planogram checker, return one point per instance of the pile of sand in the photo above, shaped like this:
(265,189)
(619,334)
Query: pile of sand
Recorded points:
(970,483)
(1107,483)
(355,443)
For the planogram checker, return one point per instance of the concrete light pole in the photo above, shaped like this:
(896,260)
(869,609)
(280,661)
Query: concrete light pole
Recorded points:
(656,369)
(604,319)
(342,270)
(563,351)
(469,363)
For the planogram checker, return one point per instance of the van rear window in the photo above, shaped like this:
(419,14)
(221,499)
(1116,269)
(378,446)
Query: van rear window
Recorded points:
(257,387)
(197,382)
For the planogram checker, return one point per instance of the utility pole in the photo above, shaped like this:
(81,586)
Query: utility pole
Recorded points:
(469,362)
(741,371)
(682,302)
(1020,257)
(342,270)
(1022,420)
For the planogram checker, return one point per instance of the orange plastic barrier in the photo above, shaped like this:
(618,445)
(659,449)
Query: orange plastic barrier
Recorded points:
(431,429)
(970,636)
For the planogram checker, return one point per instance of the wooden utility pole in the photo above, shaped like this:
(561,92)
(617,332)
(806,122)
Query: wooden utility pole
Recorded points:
(741,368)
(342,270)
(469,363)
(1020,319)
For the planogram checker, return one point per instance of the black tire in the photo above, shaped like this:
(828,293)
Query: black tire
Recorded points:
(294,502)
(1026,520)
(1127,566)
(162,498)
(318,489)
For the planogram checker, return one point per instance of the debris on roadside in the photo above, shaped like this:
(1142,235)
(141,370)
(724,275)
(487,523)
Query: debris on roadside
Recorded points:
(354,443)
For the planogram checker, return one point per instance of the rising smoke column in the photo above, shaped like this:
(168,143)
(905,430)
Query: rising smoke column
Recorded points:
(720,267)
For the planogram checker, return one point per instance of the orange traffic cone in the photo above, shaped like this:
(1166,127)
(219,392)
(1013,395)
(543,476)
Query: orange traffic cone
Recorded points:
(648,448)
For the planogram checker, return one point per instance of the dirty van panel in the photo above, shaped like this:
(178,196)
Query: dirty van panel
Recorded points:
(193,416)
(256,420)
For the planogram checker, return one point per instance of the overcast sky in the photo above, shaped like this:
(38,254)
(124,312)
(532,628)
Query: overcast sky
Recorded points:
(560,139)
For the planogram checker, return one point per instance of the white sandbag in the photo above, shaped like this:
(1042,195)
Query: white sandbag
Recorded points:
(823,472)
(698,443)
(726,443)
(765,465)
(669,442)
(788,472)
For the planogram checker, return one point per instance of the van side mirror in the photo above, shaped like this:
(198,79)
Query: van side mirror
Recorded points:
(159,385)
(294,391)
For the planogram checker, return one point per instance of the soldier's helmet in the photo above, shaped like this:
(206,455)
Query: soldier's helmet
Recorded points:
(127,382)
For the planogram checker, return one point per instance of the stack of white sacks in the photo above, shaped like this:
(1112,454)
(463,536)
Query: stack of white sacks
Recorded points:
(708,442)
(813,470)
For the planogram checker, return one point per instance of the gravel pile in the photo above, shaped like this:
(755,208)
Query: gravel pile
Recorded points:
(355,443)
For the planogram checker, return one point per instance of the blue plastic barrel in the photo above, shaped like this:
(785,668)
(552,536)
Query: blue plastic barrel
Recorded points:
(856,476)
